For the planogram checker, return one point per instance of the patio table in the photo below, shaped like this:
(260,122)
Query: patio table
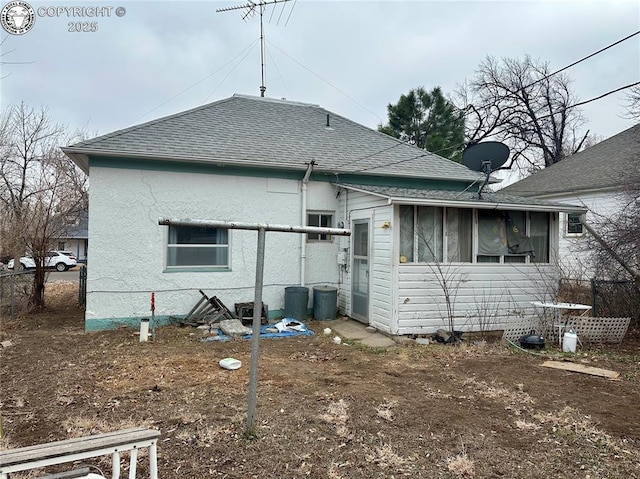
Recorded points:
(557,309)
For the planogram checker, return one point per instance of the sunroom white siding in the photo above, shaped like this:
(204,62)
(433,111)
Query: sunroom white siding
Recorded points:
(354,205)
(483,296)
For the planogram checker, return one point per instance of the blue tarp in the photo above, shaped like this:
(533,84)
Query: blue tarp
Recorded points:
(269,331)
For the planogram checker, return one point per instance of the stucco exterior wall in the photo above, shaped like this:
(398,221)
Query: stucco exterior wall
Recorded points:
(127,260)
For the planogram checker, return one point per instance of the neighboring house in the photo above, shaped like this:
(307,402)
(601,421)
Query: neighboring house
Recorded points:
(597,178)
(75,238)
(420,234)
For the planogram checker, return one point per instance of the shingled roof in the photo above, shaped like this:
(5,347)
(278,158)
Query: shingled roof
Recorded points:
(602,166)
(263,132)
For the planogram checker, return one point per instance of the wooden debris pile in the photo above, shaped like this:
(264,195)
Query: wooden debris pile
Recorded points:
(207,310)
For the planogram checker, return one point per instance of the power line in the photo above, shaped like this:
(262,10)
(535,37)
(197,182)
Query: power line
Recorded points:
(466,111)
(546,77)
(393,163)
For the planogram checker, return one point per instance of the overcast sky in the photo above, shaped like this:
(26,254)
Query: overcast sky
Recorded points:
(351,57)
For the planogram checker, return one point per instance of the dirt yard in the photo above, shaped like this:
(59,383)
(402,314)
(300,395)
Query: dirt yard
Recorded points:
(324,410)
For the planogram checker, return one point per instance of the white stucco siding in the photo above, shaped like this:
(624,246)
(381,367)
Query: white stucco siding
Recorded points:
(127,258)
(492,294)
(322,256)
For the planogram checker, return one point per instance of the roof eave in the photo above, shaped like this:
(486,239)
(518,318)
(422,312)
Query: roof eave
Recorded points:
(83,155)
(489,205)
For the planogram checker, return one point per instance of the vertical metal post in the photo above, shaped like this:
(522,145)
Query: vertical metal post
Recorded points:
(255,337)
(594,297)
(13,293)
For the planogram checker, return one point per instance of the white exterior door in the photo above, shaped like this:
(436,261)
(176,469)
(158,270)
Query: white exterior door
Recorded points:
(360,271)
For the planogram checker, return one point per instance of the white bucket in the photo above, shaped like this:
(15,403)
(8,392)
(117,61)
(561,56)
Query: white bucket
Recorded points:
(569,342)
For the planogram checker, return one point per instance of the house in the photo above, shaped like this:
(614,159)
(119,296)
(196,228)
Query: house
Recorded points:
(424,248)
(75,238)
(596,178)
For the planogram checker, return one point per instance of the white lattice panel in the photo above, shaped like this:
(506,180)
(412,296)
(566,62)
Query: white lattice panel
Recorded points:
(519,328)
(598,330)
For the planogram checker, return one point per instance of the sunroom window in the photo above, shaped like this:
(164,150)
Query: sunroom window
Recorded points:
(428,234)
(433,234)
(195,247)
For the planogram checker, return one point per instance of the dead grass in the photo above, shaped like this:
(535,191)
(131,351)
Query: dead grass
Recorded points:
(324,410)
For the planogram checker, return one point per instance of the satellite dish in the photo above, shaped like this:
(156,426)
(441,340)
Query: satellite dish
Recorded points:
(485,157)
(489,155)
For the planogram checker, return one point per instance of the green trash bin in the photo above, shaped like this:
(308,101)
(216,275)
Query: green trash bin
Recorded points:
(296,299)
(325,303)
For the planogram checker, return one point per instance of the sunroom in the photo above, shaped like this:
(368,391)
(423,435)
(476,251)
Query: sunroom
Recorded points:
(441,259)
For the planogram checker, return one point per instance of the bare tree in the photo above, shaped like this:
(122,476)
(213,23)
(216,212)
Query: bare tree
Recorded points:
(520,103)
(615,239)
(41,191)
(633,103)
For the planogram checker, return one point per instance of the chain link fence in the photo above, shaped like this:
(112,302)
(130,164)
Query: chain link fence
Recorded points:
(15,290)
(616,299)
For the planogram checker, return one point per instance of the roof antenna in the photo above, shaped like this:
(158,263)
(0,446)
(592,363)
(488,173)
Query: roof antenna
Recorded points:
(250,8)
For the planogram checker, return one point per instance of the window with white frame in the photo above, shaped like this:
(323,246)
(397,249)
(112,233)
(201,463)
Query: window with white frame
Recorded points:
(197,247)
(434,234)
(574,225)
(324,220)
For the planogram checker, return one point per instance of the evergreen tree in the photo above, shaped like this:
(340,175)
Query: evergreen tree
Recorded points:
(429,121)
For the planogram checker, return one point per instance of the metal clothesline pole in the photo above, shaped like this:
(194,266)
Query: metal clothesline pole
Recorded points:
(262,228)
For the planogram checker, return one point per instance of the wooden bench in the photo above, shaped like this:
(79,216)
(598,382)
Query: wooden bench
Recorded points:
(113,443)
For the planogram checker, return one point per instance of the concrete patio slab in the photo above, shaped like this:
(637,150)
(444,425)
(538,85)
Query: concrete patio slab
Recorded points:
(355,331)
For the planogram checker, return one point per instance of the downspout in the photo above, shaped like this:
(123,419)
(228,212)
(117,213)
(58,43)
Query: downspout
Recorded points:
(303,222)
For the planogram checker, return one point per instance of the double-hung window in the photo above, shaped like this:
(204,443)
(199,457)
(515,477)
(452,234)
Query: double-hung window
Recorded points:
(574,225)
(324,220)
(197,247)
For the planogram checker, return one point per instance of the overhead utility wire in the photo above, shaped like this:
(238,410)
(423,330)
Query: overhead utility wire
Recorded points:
(465,112)
(546,77)
(427,153)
